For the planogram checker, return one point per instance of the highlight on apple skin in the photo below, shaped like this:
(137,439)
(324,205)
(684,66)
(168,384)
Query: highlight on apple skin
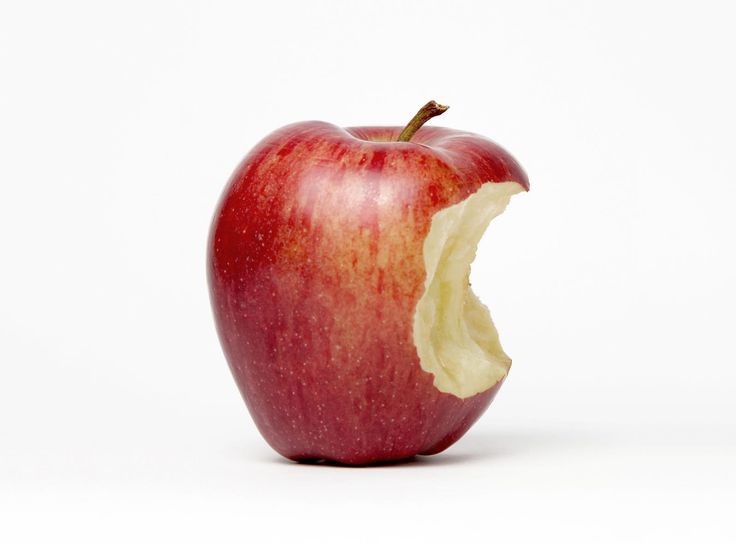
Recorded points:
(338,265)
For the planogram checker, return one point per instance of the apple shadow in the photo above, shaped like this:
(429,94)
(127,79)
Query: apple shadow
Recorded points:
(473,448)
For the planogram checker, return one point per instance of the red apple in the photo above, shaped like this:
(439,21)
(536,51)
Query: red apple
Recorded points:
(338,265)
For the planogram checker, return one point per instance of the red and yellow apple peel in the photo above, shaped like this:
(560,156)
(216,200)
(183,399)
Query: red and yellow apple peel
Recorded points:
(338,265)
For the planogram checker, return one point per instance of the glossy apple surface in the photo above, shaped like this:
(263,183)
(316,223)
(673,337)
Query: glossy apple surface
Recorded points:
(316,265)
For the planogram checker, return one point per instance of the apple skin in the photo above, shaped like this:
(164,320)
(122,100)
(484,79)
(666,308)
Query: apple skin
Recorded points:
(315,266)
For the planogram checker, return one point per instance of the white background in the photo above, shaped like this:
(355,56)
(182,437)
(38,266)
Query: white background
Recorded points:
(611,282)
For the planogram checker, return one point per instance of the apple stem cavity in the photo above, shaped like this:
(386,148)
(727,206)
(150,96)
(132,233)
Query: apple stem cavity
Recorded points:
(429,110)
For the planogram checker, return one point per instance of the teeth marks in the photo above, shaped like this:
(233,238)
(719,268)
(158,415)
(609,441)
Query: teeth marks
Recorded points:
(453,332)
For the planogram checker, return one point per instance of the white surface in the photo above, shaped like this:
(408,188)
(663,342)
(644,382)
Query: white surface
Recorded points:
(119,126)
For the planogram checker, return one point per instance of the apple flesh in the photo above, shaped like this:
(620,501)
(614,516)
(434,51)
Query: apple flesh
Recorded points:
(338,265)
(454,335)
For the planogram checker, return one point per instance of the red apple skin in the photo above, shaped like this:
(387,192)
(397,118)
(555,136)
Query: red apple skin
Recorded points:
(315,267)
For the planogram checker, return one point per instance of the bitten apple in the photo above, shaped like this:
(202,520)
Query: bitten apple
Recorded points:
(338,264)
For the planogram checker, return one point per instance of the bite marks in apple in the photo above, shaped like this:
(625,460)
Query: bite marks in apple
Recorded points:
(454,335)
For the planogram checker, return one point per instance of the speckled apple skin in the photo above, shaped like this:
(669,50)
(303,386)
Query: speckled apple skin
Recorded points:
(315,268)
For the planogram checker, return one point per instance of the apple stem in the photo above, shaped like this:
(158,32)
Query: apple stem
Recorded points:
(429,110)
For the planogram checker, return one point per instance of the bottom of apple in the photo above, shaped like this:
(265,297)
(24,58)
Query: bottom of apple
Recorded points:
(363,449)
(375,459)
(359,461)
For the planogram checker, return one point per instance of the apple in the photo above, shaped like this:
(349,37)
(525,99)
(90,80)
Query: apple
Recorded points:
(338,265)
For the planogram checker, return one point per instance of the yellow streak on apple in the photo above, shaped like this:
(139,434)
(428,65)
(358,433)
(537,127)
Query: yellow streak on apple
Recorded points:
(453,332)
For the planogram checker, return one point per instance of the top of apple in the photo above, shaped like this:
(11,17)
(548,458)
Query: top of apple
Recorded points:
(469,158)
(468,154)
